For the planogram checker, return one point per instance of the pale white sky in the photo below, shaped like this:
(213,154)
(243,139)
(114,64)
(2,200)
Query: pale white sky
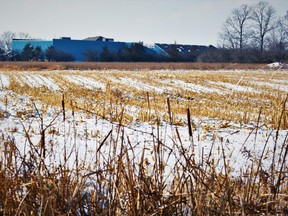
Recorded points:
(163,21)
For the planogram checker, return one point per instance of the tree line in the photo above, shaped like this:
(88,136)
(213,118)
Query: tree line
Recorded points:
(137,52)
(253,34)
(30,53)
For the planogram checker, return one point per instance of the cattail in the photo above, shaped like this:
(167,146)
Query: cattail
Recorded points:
(63,107)
(169,110)
(149,108)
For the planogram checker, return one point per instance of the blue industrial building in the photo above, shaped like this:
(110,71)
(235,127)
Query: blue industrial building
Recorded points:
(79,48)
(19,44)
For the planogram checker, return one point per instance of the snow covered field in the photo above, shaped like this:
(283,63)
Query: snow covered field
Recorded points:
(84,131)
(89,118)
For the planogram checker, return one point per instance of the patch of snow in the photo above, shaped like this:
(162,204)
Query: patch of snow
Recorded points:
(49,82)
(279,81)
(19,80)
(276,65)
(276,86)
(192,87)
(86,82)
(31,80)
(85,135)
(4,81)
(234,87)
(140,85)
(40,81)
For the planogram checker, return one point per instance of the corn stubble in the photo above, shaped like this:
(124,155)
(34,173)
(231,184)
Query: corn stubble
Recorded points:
(121,184)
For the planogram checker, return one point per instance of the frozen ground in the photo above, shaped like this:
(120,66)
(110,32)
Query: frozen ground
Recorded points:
(81,134)
(86,82)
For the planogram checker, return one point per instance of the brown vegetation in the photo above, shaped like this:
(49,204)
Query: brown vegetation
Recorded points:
(124,184)
(123,66)
(122,89)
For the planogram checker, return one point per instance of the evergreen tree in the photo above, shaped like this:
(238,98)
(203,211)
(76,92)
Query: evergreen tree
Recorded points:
(50,53)
(106,55)
(57,55)
(28,52)
(2,55)
(38,54)
(137,52)
(90,55)
(173,52)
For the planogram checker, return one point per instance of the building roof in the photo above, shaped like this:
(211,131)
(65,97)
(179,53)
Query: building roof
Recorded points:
(182,49)
(98,38)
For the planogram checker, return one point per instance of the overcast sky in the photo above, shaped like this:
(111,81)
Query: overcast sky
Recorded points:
(150,21)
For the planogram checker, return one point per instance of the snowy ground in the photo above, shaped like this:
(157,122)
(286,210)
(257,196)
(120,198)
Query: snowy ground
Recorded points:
(81,134)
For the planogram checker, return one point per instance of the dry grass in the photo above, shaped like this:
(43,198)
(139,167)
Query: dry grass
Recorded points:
(123,184)
(34,66)
(231,96)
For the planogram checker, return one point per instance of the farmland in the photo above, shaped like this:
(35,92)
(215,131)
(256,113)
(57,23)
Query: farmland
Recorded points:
(147,142)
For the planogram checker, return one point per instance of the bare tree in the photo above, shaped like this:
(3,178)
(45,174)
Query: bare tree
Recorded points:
(277,41)
(285,23)
(7,37)
(286,15)
(235,29)
(278,37)
(264,21)
(23,35)
(1,45)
